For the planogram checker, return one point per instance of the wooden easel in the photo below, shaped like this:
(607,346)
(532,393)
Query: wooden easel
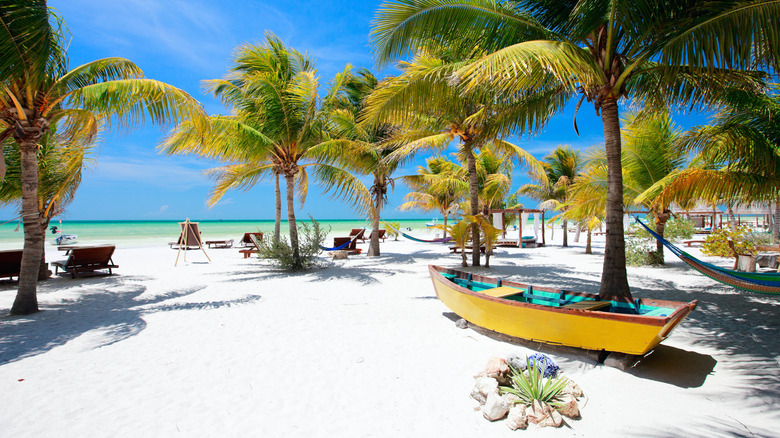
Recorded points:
(185,233)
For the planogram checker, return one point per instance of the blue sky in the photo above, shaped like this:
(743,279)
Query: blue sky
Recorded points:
(183,42)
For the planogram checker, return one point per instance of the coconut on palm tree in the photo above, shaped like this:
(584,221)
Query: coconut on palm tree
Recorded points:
(39,90)
(662,53)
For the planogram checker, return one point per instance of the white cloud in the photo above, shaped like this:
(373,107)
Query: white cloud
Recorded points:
(160,173)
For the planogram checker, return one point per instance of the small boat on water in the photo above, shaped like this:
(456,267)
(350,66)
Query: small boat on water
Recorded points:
(63,239)
(66,239)
(432,223)
(574,319)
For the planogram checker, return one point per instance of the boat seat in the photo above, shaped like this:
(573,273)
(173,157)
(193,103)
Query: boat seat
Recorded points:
(588,305)
(500,292)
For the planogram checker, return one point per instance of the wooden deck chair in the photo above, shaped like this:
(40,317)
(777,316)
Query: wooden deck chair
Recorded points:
(382,235)
(10,263)
(359,232)
(84,259)
(247,239)
(190,237)
(351,248)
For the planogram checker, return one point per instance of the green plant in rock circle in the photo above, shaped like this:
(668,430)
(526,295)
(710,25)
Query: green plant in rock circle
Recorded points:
(531,385)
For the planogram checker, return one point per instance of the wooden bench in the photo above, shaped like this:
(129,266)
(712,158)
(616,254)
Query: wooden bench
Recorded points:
(87,259)
(10,263)
(689,242)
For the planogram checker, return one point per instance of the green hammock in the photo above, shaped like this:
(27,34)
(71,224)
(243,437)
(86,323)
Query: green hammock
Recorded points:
(758,282)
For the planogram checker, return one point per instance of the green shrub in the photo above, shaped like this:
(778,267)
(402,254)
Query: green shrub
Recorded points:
(641,246)
(744,238)
(310,241)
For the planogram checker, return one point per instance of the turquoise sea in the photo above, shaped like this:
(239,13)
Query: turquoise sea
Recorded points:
(149,233)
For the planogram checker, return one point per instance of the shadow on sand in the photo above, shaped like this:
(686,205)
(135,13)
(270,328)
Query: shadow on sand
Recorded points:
(110,305)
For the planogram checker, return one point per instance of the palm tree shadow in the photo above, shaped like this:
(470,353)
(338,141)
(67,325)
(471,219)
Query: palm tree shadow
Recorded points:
(107,306)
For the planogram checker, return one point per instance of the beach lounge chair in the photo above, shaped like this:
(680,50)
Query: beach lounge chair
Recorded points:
(10,263)
(359,232)
(247,239)
(382,235)
(351,248)
(87,259)
(219,243)
(249,242)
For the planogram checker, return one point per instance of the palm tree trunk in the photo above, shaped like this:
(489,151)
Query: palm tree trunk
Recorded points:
(776,222)
(732,219)
(43,272)
(471,162)
(278,205)
(588,247)
(445,214)
(565,232)
(660,226)
(373,246)
(290,179)
(614,279)
(26,301)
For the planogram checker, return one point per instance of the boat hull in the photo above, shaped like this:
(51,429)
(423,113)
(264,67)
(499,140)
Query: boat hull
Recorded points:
(587,329)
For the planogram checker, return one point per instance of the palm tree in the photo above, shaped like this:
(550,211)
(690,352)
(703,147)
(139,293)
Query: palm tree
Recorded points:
(651,153)
(367,149)
(39,90)
(60,168)
(553,189)
(434,111)
(739,158)
(662,53)
(438,186)
(279,127)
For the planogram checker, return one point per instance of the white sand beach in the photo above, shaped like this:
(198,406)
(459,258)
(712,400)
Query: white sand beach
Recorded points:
(360,347)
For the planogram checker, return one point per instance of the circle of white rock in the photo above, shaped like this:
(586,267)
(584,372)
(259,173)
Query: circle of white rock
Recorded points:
(497,406)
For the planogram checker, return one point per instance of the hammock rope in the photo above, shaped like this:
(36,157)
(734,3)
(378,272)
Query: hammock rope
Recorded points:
(415,239)
(758,282)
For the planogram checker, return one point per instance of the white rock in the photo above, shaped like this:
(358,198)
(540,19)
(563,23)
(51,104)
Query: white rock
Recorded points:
(484,386)
(553,420)
(495,407)
(572,389)
(517,361)
(498,369)
(569,407)
(516,418)
(537,412)
(462,324)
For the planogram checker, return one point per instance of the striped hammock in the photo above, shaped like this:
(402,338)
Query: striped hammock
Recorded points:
(415,239)
(758,282)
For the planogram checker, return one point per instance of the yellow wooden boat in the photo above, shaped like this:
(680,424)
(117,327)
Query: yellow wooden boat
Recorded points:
(574,319)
